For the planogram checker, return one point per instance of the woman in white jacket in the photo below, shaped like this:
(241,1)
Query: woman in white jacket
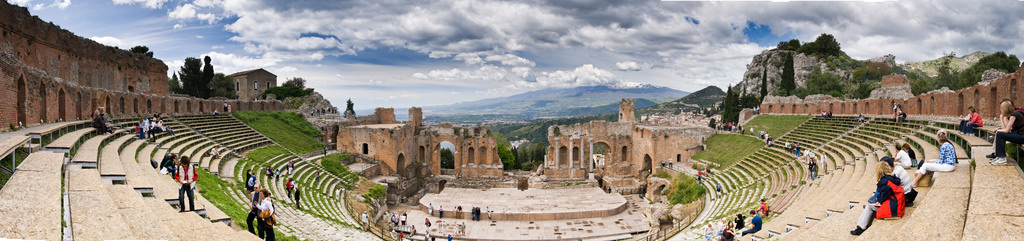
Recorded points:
(902,158)
(266,230)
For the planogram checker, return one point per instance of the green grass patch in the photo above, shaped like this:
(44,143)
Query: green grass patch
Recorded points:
(375,192)
(264,154)
(775,125)
(286,128)
(727,149)
(684,190)
(335,164)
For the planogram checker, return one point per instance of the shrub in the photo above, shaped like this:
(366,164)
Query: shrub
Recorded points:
(375,192)
(685,190)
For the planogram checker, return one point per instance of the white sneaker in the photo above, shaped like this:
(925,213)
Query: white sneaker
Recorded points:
(998,161)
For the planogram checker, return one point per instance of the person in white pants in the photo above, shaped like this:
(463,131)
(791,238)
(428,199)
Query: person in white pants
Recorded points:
(946,161)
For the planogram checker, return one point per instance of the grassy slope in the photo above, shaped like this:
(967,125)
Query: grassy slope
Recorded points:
(334,164)
(727,149)
(217,191)
(286,128)
(775,125)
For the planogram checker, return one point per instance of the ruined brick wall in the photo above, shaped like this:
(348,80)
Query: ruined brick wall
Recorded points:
(626,109)
(415,116)
(385,115)
(984,96)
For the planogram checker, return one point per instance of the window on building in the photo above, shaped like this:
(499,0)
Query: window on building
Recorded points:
(268,85)
(236,86)
(255,85)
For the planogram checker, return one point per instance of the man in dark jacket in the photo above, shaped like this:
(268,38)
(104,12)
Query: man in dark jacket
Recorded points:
(298,194)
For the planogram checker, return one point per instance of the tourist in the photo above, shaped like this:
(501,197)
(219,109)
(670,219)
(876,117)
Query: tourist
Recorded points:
(298,195)
(427,223)
(698,180)
(255,196)
(763,208)
(908,190)
(860,117)
(225,107)
(100,123)
(216,113)
(1012,130)
(887,191)
(458,212)
(266,217)
(971,121)
(896,109)
(288,187)
(727,235)
(902,116)
(489,212)
(250,182)
(903,157)
(739,221)
(812,167)
(798,149)
(718,188)
(142,128)
(440,211)
(462,228)
(946,161)
(167,164)
(215,153)
(366,221)
(709,232)
(911,154)
(404,217)
(186,175)
(755,224)
(277,175)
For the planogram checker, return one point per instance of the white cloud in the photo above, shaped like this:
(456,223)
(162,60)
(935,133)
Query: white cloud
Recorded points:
(183,12)
(630,66)
(153,4)
(178,26)
(286,69)
(109,41)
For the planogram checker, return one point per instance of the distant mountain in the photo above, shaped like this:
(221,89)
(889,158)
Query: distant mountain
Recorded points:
(555,103)
(703,98)
(931,67)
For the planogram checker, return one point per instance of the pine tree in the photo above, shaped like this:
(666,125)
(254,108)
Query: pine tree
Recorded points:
(191,75)
(174,85)
(788,79)
(208,74)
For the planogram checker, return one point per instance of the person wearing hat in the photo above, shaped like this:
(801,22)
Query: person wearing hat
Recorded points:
(973,120)
(908,190)
(946,161)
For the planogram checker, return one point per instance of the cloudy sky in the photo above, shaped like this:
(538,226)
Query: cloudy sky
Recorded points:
(420,53)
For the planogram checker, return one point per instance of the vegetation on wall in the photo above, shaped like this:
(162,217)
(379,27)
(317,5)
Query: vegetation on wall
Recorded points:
(684,189)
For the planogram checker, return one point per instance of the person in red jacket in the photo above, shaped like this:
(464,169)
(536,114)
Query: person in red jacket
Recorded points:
(972,121)
(888,200)
(186,176)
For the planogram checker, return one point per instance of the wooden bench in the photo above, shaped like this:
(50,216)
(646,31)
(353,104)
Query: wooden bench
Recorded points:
(30,200)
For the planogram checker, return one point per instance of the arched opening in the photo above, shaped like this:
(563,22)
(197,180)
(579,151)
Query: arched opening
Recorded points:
(78,105)
(793,110)
(645,170)
(42,103)
(960,103)
(624,155)
(931,105)
(602,151)
(770,107)
(920,108)
(563,155)
(422,154)
(176,107)
(400,165)
(575,156)
(447,154)
(994,99)
(120,105)
(855,108)
(807,108)
(22,94)
(830,108)
(867,107)
(188,107)
(202,107)
(149,106)
(482,160)
(366,149)
(679,158)
(977,99)
(107,105)
(61,109)
(135,105)
(1013,90)
(471,154)
(440,185)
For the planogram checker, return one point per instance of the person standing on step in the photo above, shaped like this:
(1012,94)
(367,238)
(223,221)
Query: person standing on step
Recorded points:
(812,167)
(973,120)
(366,220)
(255,196)
(946,161)
(266,217)
(288,187)
(896,109)
(250,180)
(186,175)
(1011,131)
(298,195)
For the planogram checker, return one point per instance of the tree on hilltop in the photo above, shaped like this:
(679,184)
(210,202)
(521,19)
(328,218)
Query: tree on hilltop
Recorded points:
(999,61)
(141,50)
(823,46)
(788,77)
(295,82)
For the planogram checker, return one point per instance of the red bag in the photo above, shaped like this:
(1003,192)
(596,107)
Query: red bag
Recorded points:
(892,206)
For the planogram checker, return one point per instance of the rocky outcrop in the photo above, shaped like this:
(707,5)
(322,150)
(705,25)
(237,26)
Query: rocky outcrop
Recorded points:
(770,64)
(894,86)
(991,75)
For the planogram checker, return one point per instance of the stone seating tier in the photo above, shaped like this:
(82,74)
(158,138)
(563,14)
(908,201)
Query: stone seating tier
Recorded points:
(30,200)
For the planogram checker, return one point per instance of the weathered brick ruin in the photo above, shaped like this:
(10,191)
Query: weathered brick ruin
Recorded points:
(632,151)
(984,96)
(407,149)
(49,74)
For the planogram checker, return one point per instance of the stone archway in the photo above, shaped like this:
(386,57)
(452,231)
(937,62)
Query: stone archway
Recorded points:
(563,155)
(202,107)
(624,155)
(121,105)
(188,106)
(482,160)
(1013,90)
(919,107)
(994,99)
(422,155)
(400,165)
(960,103)
(61,102)
(79,102)
(977,101)
(646,167)
(471,154)
(149,106)
(22,95)
(135,105)
(931,105)
(176,107)
(42,103)
(575,156)
(440,185)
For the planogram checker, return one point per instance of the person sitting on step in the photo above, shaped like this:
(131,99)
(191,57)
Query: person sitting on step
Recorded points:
(946,161)
(755,224)
(908,190)
(1012,130)
(973,120)
(886,200)
(903,158)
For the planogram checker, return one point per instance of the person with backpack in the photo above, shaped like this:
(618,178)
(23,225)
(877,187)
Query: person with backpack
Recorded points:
(812,167)
(896,109)
(972,121)
(288,187)
(266,217)
(186,175)
(255,196)
(885,203)
(764,207)
(1012,131)
(167,164)
(250,182)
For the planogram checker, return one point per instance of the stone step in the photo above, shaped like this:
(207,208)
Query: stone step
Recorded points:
(30,201)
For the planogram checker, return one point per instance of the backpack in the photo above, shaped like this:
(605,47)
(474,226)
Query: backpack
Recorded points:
(894,205)
(268,217)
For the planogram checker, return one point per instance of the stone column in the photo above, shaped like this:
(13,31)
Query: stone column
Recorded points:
(556,147)
(583,161)
(590,161)
(572,142)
